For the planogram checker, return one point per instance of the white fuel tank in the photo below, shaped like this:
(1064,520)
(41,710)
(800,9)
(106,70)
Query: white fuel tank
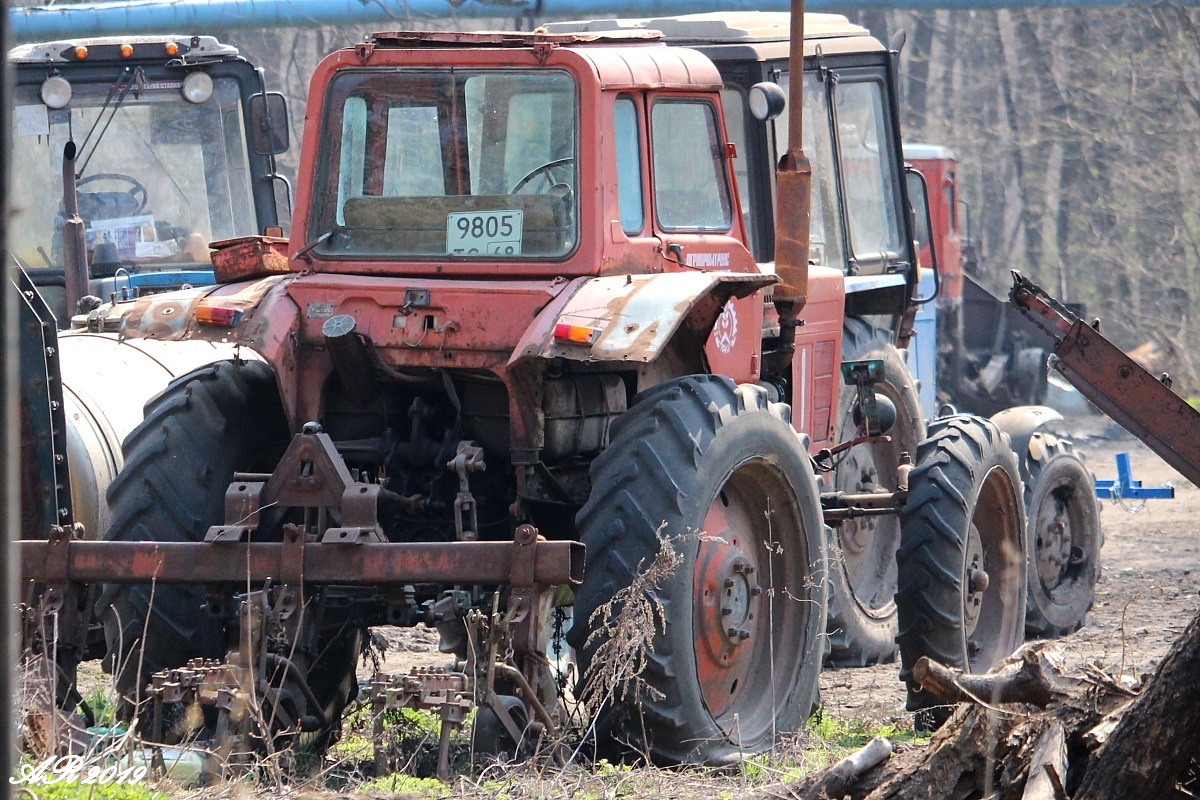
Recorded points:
(106,384)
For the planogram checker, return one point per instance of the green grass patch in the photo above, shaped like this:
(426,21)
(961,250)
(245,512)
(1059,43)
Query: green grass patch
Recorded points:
(855,733)
(406,784)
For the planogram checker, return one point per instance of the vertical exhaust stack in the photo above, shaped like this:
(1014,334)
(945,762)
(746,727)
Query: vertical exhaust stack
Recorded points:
(794,181)
(792,200)
(74,239)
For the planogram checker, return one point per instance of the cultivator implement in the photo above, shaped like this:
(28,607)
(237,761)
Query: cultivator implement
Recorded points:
(274,596)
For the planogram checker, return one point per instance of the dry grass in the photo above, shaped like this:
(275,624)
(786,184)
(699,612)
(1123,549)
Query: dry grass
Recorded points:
(623,630)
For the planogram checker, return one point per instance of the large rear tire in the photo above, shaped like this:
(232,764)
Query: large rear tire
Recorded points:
(741,653)
(1064,537)
(203,427)
(862,552)
(962,561)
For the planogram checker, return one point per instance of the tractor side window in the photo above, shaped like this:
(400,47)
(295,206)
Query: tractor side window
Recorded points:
(629,166)
(690,190)
(825,228)
(951,202)
(867,171)
(736,120)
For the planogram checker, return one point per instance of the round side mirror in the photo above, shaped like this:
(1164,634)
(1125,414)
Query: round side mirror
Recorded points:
(767,100)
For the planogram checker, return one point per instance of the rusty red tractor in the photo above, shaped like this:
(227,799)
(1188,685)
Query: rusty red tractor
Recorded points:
(519,312)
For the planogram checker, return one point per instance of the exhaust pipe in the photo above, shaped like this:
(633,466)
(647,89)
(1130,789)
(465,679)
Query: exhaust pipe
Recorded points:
(74,238)
(793,194)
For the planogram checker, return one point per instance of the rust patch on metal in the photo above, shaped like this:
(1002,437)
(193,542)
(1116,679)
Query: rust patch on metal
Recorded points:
(248,257)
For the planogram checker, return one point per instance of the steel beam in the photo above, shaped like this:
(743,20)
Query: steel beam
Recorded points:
(342,564)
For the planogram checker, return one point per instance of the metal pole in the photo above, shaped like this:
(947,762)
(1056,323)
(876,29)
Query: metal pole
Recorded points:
(9,446)
(74,20)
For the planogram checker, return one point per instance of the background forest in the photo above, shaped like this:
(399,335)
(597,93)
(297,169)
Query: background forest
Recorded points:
(1077,134)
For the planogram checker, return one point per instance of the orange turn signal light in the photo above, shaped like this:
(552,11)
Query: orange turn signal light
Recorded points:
(126,50)
(171,49)
(576,334)
(80,52)
(216,315)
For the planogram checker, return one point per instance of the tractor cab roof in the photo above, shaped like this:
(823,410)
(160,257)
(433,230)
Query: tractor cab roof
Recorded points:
(919,151)
(761,35)
(619,59)
(180,48)
(539,38)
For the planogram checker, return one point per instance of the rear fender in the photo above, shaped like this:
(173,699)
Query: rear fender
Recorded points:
(1021,423)
(635,318)
(266,322)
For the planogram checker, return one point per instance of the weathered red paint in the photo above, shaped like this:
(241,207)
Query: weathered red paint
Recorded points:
(1120,387)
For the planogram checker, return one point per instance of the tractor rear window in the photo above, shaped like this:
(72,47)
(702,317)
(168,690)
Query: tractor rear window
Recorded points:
(428,163)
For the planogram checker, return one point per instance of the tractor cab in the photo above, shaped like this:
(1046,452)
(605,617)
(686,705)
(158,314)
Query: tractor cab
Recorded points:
(174,142)
(518,155)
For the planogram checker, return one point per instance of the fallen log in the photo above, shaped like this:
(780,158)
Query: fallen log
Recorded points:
(836,781)
(1032,675)
(1028,732)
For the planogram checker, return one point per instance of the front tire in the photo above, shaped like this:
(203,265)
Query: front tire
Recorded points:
(741,653)
(1064,537)
(962,562)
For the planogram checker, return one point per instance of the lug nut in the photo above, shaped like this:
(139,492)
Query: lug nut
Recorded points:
(732,633)
(726,611)
(755,591)
(729,583)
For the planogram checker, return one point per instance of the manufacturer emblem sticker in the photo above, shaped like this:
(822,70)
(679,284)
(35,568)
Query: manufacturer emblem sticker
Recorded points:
(725,331)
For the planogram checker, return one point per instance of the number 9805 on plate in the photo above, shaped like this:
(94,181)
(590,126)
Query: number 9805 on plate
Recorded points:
(484,232)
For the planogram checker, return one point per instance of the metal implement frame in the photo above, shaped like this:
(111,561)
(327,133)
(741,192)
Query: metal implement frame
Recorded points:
(1126,488)
(1141,403)
(66,560)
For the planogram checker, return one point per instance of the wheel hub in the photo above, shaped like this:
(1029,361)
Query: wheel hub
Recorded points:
(867,544)
(728,614)
(735,601)
(1053,540)
(976,579)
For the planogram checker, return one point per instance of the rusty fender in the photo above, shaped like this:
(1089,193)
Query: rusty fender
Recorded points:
(370,564)
(634,317)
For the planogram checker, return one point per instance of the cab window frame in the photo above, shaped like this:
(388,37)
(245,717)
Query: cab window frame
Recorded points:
(722,173)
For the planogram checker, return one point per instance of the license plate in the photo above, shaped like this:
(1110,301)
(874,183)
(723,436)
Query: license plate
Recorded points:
(484,232)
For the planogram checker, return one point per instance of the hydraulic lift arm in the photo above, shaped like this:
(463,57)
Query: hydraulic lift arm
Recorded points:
(1141,403)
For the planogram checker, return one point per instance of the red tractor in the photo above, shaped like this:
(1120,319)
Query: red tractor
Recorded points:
(521,294)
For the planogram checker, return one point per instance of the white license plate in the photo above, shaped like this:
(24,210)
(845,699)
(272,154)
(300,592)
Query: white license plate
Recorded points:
(481,232)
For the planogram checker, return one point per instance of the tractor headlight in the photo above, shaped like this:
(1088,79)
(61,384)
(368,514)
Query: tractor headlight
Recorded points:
(197,87)
(56,91)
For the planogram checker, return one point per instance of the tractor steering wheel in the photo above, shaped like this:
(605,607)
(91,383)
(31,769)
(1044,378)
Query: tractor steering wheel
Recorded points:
(549,165)
(136,190)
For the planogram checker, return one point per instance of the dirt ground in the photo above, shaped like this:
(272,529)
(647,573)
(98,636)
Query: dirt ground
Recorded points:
(1145,597)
